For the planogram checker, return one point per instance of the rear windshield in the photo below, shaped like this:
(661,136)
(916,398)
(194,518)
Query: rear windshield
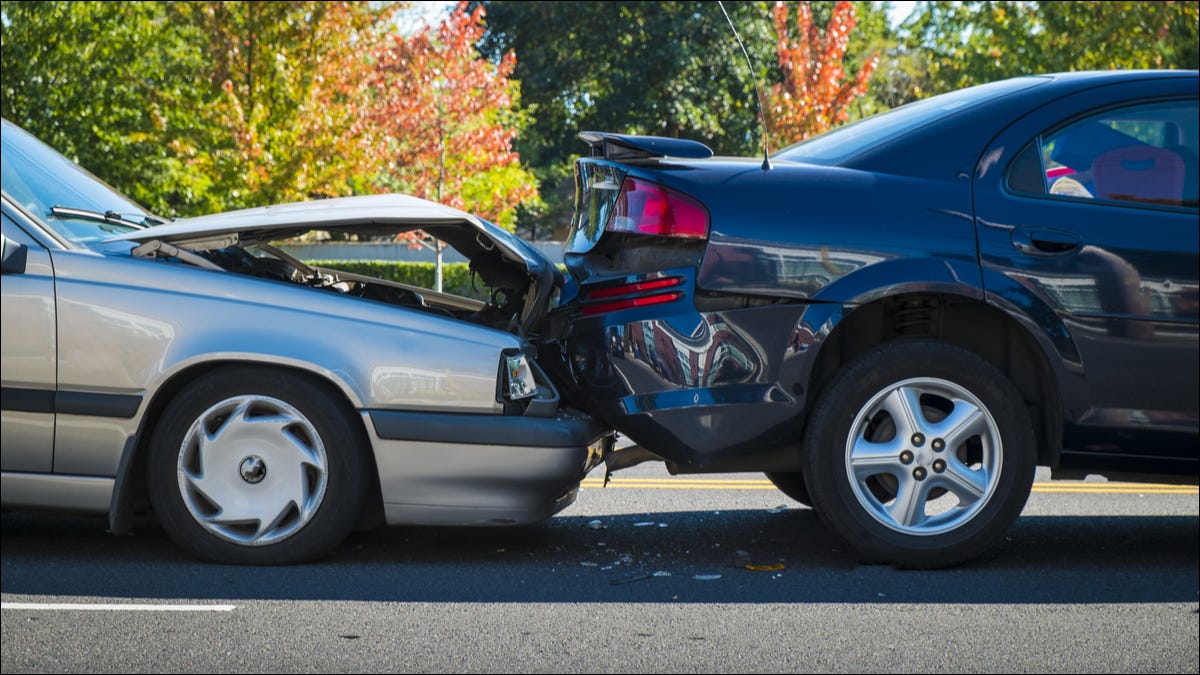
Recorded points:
(851,140)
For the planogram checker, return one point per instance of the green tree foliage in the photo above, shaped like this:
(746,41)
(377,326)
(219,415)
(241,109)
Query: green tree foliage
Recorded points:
(660,68)
(192,107)
(195,107)
(635,67)
(111,85)
(968,43)
(282,93)
(445,120)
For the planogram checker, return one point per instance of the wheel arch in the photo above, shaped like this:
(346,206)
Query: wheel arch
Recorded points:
(130,491)
(960,319)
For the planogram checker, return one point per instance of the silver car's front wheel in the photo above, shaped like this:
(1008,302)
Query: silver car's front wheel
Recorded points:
(252,470)
(919,453)
(257,466)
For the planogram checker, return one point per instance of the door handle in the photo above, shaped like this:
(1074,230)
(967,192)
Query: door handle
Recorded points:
(1044,242)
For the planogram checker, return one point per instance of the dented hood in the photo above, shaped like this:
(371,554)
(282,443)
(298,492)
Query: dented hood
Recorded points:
(480,241)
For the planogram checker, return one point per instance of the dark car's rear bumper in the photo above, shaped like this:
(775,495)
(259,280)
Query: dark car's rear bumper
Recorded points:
(455,469)
(705,390)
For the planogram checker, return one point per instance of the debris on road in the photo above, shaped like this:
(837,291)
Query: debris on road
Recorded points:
(625,580)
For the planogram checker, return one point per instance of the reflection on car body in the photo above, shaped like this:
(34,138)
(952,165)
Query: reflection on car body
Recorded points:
(930,303)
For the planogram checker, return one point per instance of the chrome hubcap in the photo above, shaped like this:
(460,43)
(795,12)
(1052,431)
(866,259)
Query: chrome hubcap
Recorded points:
(923,456)
(223,470)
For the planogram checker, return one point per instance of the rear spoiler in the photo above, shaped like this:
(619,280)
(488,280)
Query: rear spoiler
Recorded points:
(623,147)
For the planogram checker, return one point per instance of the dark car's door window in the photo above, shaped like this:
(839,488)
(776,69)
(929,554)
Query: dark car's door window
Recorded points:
(1142,154)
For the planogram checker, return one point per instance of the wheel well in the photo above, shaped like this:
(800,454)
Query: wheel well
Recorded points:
(967,323)
(137,494)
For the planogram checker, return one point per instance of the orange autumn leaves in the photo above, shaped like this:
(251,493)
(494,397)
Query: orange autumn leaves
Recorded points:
(815,93)
(354,107)
(425,114)
(446,119)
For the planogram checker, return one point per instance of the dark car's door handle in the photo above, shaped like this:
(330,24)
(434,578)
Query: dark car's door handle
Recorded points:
(1038,241)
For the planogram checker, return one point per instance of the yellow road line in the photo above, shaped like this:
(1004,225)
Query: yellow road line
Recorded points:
(751,484)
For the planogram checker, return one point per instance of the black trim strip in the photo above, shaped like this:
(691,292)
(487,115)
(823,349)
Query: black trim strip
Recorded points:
(539,432)
(27,400)
(121,406)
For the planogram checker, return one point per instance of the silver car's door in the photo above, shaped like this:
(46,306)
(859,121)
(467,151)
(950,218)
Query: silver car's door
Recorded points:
(28,370)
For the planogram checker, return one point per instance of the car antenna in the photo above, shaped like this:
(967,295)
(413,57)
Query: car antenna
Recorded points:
(762,121)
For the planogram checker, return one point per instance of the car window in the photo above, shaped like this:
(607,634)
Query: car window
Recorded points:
(39,178)
(852,139)
(1142,154)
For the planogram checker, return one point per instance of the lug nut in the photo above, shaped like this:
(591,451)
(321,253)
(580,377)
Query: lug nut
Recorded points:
(919,473)
(906,457)
(938,445)
(939,465)
(918,439)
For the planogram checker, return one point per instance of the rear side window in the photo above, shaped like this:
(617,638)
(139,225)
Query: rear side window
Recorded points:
(1143,154)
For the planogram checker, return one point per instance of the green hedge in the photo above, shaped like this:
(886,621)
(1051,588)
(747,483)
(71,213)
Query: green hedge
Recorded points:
(456,277)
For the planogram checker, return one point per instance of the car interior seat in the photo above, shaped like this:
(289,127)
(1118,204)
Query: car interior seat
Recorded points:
(1140,173)
(1174,142)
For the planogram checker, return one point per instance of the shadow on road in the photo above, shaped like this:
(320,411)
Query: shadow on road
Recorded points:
(1057,559)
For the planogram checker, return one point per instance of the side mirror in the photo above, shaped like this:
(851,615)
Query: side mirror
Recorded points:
(12,259)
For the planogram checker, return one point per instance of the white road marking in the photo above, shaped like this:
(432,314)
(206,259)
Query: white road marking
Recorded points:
(88,607)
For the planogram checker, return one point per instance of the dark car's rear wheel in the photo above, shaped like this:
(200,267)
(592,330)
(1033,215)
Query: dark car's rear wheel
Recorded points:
(256,466)
(920,454)
(791,483)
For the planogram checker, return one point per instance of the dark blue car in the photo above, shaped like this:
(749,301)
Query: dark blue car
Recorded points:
(899,320)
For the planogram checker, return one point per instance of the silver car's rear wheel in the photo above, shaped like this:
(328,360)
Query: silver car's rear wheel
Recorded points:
(252,470)
(253,465)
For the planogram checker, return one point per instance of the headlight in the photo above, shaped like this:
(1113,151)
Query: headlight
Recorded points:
(520,378)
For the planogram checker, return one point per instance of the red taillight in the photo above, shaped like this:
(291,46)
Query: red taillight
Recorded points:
(630,303)
(630,289)
(590,306)
(647,208)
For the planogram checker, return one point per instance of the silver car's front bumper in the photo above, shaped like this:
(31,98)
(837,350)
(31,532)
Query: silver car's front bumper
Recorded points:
(461,469)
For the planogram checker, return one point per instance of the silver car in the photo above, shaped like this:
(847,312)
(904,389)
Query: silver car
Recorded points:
(261,406)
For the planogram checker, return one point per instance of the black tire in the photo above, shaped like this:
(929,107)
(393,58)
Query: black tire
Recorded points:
(922,507)
(791,483)
(283,474)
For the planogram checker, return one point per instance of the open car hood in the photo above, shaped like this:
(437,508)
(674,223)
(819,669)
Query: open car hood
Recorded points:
(498,257)
(371,215)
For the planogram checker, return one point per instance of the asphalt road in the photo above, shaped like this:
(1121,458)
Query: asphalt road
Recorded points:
(636,577)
